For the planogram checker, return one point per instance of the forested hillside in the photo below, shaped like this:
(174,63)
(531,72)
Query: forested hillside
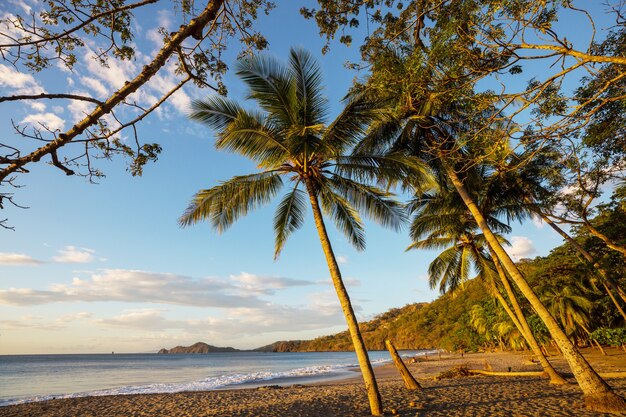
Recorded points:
(470,317)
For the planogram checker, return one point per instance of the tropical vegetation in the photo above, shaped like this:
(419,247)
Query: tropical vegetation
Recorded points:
(471,319)
(292,141)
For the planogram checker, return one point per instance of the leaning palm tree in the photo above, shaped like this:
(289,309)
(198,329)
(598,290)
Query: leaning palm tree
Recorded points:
(292,143)
(434,113)
(533,178)
(441,221)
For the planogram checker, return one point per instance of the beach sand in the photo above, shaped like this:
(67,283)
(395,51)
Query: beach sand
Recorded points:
(462,396)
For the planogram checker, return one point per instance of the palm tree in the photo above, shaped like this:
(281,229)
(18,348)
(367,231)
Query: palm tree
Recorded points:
(291,142)
(569,303)
(433,112)
(494,327)
(442,221)
(533,182)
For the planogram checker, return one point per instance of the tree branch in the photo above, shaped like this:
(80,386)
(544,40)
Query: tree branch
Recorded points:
(208,14)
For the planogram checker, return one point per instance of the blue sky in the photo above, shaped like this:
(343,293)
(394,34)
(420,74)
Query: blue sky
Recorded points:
(105,267)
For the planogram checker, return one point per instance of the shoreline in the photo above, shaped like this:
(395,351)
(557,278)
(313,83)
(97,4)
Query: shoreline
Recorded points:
(467,396)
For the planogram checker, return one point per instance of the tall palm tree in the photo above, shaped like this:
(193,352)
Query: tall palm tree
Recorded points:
(433,112)
(442,221)
(292,143)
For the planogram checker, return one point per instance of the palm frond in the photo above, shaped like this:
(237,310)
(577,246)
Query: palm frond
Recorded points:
(252,136)
(308,76)
(271,85)
(215,111)
(390,169)
(431,243)
(376,204)
(351,124)
(289,217)
(346,218)
(225,203)
(443,271)
(381,134)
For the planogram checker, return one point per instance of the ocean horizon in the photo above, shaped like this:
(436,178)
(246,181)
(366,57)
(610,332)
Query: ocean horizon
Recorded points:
(29,378)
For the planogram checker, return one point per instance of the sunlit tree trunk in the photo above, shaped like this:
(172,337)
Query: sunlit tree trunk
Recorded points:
(598,395)
(371,386)
(555,378)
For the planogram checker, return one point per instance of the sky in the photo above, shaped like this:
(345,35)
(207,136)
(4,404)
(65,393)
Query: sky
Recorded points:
(105,267)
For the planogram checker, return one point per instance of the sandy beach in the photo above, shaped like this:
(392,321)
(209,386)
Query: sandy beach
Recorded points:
(460,396)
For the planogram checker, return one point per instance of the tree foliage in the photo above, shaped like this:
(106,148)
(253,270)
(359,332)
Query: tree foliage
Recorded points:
(46,39)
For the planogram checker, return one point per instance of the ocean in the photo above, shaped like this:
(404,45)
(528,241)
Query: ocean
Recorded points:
(27,378)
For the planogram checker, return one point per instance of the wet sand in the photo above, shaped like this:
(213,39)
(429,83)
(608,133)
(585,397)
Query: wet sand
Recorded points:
(462,396)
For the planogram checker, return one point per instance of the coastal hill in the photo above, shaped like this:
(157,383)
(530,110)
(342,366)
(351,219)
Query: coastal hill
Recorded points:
(442,323)
(199,347)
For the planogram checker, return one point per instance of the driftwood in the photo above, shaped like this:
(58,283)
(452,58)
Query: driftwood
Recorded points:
(500,373)
(538,373)
(409,381)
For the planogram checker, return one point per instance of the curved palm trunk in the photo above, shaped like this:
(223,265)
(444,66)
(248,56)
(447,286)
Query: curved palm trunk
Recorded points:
(371,386)
(598,395)
(555,378)
(599,270)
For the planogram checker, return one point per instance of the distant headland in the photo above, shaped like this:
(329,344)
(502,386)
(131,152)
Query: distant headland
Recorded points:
(199,347)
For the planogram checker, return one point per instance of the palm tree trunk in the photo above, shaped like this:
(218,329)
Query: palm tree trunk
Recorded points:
(595,265)
(555,378)
(598,395)
(371,386)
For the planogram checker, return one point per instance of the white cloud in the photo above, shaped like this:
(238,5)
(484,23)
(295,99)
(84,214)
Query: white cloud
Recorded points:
(539,224)
(144,319)
(22,5)
(260,284)
(348,281)
(7,258)
(342,259)
(95,85)
(37,106)
(20,83)
(73,255)
(67,318)
(78,108)
(136,287)
(242,322)
(521,247)
(12,78)
(47,120)
(39,323)
(114,75)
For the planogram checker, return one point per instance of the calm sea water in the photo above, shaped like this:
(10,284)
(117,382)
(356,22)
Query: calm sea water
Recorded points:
(25,378)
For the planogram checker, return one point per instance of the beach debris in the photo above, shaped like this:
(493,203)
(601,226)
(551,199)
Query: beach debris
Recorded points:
(488,366)
(505,373)
(394,412)
(269,387)
(456,372)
